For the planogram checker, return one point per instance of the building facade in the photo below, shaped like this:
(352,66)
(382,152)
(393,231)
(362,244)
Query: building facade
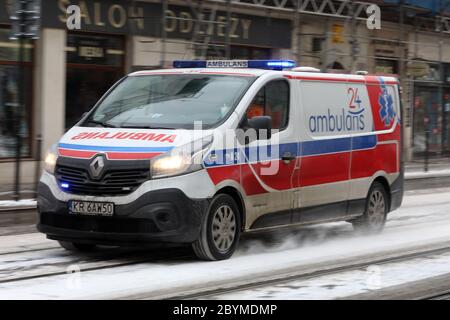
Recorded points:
(67,71)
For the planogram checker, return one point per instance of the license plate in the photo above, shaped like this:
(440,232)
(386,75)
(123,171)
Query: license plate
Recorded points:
(91,208)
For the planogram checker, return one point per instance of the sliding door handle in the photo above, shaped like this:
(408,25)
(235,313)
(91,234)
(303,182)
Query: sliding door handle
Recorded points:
(288,157)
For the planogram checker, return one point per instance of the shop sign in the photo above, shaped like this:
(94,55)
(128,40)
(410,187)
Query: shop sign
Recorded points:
(386,48)
(337,31)
(144,18)
(89,50)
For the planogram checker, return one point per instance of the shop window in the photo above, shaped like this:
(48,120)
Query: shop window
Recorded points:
(446,122)
(433,74)
(336,66)
(272,100)
(9,50)
(427,116)
(94,64)
(316,44)
(250,53)
(386,66)
(10,109)
(238,53)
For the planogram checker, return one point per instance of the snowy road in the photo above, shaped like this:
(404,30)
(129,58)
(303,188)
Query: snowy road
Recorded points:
(319,262)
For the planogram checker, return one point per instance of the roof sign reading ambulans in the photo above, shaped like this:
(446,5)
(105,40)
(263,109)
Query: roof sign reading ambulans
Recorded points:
(253,64)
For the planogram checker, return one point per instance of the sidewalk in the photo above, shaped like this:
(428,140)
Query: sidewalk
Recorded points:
(436,168)
(413,170)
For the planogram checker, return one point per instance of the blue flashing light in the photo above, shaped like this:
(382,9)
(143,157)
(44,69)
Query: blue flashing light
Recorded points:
(64,185)
(243,64)
(281,64)
(271,64)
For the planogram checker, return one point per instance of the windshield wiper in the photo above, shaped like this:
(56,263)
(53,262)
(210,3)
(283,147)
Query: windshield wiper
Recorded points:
(103,124)
(145,127)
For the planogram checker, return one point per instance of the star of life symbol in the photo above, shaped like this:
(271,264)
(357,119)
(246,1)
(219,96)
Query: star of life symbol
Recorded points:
(386,102)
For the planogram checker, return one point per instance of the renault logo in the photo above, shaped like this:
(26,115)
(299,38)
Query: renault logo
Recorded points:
(97,166)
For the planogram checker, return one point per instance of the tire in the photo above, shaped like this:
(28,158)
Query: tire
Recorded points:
(74,246)
(223,215)
(377,207)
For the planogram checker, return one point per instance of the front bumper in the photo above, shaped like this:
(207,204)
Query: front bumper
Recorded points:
(397,191)
(158,216)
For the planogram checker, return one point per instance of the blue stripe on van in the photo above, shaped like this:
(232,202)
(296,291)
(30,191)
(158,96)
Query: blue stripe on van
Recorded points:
(318,147)
(366,142)
(308,148)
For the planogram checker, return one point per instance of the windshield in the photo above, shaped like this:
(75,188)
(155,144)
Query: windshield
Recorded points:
(172,101)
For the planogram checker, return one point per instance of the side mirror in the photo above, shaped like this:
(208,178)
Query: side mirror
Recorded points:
(262,125)
(255,128)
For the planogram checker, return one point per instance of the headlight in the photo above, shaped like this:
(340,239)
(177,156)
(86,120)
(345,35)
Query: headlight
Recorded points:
(50,160)
(181,160)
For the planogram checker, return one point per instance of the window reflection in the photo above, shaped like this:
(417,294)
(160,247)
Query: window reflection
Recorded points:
(9,97)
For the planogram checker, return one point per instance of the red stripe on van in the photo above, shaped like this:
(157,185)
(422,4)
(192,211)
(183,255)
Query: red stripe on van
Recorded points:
(323,169)
(196,72)
(333,79)
(366,163)
(326,79)
(80,154)
(76,153)
(314,170)
(229,73)
(131,155)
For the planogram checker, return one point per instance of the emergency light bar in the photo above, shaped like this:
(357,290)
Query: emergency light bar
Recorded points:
(253,64)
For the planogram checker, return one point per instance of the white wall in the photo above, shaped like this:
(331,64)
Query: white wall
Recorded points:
(50,86)
(426,46)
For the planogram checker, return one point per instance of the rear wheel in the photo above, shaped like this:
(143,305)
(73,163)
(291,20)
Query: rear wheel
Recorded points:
(220,231)
(74,246)
(374,218)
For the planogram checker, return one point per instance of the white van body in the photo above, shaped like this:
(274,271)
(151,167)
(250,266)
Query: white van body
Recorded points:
(336,145)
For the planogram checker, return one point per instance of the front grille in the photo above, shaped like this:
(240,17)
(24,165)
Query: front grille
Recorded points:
(112,182)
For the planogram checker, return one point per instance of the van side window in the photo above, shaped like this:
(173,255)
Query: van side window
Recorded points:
(272,100)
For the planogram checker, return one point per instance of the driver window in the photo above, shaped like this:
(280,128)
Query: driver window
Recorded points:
(272,100)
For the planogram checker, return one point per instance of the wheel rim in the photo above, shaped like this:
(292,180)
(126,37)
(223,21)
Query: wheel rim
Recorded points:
(376,209)
(224,228)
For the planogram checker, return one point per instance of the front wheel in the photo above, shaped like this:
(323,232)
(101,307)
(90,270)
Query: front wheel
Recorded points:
(220,231)
(374,218)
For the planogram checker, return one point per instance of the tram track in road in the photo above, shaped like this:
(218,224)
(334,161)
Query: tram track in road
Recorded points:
(441,296)
(445,295)
(32,257)
(233,275)
(113,259)
(17,210)
(290,275)
(116,257)
(17,221)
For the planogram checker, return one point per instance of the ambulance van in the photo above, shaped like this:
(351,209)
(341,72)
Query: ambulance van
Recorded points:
(208,150)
